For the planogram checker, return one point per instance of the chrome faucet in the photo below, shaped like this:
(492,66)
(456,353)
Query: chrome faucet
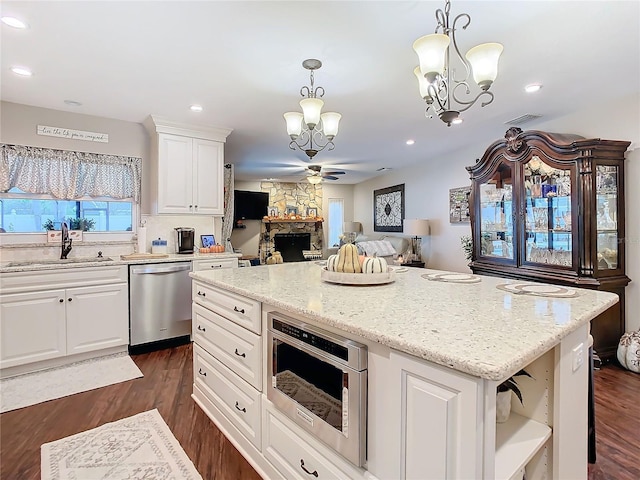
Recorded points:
(66,241)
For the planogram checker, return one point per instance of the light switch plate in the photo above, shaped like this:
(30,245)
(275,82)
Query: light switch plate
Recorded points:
(578,357)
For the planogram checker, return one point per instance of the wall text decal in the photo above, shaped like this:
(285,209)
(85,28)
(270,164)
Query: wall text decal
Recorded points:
(73,134)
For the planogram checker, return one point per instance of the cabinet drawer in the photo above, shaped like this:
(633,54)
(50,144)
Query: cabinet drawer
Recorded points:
(241,310)
(237,400)
(297,458)
(214,264)
(237,348)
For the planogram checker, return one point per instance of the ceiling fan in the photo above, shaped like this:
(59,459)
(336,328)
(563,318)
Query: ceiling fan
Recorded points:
(315,172)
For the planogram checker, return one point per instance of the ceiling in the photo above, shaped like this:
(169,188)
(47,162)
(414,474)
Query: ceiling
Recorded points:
(242,62)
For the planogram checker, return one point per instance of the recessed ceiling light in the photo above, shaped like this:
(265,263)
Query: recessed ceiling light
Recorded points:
(22,71)
(14,22)
(410,142)
(73,103)
(196,108)
(532,87)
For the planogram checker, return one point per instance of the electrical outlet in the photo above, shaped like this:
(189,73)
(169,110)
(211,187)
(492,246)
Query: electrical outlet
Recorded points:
(578,357)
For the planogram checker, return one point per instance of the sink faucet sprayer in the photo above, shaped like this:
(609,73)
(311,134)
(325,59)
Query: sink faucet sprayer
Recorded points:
(66,241)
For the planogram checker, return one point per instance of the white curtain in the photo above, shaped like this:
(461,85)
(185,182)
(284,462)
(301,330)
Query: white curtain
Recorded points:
(227,220)
(68,175)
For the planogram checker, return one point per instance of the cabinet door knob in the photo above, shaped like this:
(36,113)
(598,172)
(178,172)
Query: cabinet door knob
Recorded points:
(204,374)
(314,473)
(202,329)
(61,300)
(241,310)
(243,410)
(190,207)
(69,298)
(196,207)
(243,355)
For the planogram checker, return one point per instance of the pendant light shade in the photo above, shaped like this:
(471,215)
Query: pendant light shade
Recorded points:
(294,123)
(422,83)
(484,63)
(330,121)
(314,179)
(311,108)
(431,50)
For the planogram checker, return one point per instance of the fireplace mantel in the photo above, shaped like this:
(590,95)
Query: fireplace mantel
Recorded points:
(269,221)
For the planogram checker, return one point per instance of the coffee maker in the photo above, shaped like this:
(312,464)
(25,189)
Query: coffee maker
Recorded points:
(185,239)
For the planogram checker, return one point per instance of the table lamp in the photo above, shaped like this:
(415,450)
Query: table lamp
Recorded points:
(351,230)
(417,228)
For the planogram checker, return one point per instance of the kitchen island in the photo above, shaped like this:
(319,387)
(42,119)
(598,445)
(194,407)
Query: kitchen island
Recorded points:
(437,352)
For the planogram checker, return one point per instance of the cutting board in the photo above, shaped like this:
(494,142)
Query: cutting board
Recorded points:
(143,256)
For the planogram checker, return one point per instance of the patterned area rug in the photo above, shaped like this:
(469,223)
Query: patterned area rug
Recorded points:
(313,399)
(31,388)
(134,448)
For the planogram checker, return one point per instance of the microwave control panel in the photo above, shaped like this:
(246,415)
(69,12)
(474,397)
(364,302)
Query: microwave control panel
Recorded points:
(312,339)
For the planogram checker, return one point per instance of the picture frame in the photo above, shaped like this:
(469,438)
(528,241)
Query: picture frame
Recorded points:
(312,212)
(459,205)
(207,241)
(291,210)
(388,209)
(273,211)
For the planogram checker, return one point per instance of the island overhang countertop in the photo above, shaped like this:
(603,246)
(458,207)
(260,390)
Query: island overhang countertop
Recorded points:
(475,328)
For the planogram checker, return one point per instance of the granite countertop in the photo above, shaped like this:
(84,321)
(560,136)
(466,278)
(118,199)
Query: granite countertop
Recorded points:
(83,262)
(475,328)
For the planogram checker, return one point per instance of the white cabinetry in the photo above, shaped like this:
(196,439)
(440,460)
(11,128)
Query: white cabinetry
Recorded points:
(187,167)
(214,264)
(47,315)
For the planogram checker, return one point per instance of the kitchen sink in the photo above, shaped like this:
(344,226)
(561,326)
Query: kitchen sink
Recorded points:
(59,261)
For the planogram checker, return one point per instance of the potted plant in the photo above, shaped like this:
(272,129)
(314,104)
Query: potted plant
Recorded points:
(467,246)
(503,399)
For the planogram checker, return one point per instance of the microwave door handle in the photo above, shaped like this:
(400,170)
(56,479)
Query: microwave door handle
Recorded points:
(304,347)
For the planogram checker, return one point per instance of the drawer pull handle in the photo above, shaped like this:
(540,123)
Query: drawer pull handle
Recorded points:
(241,310)
(201,328)
(314,473)
(202,294)
(204,374)
(216,266)
(243,410)
(243,355)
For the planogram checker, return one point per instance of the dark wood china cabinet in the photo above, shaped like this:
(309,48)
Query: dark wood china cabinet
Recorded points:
(550,208)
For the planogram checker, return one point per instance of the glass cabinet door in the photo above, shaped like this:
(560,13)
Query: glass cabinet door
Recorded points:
(607,216)
(496,214)
(547,203)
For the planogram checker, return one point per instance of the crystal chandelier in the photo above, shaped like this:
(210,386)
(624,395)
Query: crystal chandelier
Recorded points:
(318,130)
(436,74)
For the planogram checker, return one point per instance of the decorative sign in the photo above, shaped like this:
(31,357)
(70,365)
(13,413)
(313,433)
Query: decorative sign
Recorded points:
(388,209)
(459,204)
(73,134)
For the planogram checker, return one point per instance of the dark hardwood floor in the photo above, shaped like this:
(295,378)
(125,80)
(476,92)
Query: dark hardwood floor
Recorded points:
(166,385)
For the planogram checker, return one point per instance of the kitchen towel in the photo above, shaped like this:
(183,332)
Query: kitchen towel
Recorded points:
(142,239)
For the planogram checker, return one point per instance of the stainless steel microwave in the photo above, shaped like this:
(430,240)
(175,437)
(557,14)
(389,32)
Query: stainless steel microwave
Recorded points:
(319,380)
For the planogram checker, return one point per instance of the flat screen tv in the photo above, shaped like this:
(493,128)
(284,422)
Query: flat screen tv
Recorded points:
(249,205)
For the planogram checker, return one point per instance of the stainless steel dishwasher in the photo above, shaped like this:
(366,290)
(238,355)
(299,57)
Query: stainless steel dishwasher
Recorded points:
(159,305)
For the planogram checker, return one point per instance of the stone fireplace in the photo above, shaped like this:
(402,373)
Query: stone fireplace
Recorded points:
(298,196)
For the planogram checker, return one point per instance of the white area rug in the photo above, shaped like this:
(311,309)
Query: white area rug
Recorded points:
(138,447)
(37,387)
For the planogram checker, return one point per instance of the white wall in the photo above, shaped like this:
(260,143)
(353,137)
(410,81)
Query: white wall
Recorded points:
(427,189)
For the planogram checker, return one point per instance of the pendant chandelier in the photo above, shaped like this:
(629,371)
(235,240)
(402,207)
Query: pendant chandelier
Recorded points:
(312,131)
(439,86)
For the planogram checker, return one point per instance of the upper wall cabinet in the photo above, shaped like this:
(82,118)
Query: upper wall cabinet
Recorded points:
(550,208)
(187,167)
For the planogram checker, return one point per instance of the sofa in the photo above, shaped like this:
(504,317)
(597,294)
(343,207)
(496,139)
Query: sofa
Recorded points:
(385,246)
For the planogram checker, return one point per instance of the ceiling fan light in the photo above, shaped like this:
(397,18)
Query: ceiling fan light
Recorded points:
(294,123)
(484,63)
(431,50)
(314,179)
(311,108)
(330,121)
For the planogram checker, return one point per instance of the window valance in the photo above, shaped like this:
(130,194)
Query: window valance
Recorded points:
(69,175)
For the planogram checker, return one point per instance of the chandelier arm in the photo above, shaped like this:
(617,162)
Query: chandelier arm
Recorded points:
(470,103)
(442,19)
(442,102)
(461,58)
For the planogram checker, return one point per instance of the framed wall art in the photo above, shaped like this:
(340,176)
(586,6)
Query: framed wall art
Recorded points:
(459,205)
(388,209)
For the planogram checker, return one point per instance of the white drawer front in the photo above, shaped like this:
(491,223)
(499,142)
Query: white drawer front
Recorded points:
(215,264)
(241,310)
(294,457)
(237,348)
(239,402)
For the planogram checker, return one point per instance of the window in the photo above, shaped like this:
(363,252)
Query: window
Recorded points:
(43,187)
(22,212)
(336,219)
